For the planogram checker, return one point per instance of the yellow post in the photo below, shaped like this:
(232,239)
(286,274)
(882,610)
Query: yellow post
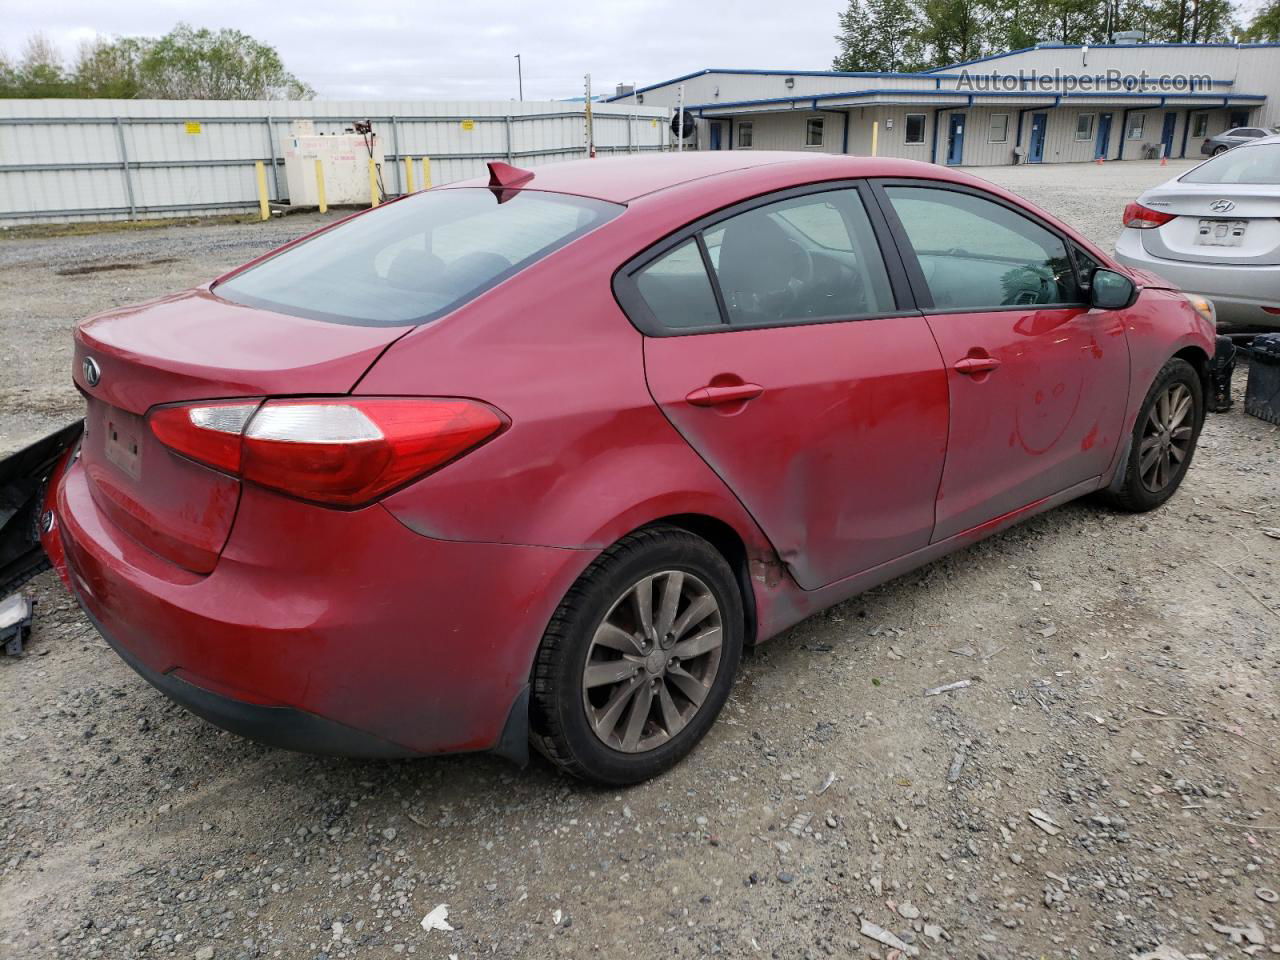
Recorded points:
(426,173)
(875,137)
(324,204)
(374,199)
(263,206)
(408,174)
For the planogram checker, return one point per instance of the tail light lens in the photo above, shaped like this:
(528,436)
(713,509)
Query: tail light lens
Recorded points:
(1144,218)
(344,452)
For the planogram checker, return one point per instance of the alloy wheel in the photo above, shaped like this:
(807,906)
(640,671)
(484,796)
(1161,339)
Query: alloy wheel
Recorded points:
(1166,437)
(652,661)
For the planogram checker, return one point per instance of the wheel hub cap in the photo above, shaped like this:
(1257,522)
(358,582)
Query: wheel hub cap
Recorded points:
(1166,437)
(652,661)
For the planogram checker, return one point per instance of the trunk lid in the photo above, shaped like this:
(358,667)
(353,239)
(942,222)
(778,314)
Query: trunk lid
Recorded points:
(194,346)
(1246,233)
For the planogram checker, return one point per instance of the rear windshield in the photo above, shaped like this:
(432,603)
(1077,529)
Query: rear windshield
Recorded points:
(416,259)
(1249,163)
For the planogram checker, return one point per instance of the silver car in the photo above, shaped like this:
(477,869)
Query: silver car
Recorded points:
(1215,231)
(1231,138)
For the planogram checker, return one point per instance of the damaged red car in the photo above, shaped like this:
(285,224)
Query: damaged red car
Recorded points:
(533,459)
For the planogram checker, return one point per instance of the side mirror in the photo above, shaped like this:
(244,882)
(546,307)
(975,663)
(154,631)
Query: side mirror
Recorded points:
(1109,290)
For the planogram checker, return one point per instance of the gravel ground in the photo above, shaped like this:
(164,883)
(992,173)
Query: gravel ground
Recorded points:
(1125,686)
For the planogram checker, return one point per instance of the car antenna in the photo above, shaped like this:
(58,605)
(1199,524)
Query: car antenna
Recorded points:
(504,179)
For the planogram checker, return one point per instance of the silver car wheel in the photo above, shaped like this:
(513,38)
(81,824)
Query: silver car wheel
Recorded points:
(1166,437)
(652,661)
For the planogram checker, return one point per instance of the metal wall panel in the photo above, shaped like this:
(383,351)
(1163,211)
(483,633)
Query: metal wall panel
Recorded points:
(66,160)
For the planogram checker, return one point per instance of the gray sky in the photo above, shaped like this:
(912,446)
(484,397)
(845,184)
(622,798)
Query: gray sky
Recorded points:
(465,49)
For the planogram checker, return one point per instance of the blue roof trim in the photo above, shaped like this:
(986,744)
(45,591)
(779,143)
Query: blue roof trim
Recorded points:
(1097,46)
(774,73)
(970,96)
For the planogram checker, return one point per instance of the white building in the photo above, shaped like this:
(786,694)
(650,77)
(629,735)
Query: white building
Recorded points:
(1046,104)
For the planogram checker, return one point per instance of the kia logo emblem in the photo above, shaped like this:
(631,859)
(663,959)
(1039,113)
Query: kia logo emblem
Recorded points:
(92,372)
(1222,206)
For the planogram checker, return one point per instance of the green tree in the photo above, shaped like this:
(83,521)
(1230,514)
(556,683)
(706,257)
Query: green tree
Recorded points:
(202,64)
(953,31)
(1265,26)
(879,36)
(109,68)
(8,76)
(40,72)
(185,64)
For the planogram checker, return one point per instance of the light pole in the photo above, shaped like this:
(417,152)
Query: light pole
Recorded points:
(520,76)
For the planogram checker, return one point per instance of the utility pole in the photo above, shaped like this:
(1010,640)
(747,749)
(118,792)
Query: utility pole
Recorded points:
(591,140)
(680,120)
(520,76)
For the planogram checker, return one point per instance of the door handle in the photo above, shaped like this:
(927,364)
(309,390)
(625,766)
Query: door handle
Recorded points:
(713,395)
(972,365)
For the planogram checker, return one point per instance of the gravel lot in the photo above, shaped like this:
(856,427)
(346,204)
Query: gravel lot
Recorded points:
(1126,687)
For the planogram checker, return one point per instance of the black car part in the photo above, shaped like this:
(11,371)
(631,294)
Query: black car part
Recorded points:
(22,481)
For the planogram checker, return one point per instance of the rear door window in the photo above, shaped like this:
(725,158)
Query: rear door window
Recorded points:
(415,259)
(978,254)
(808,258)
(812,257)
(677,290)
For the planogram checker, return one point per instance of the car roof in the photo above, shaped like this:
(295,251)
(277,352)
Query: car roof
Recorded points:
(622,179)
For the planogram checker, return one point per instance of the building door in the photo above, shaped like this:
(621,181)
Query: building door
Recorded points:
(1039,121)
(1104,136)
(955,139)
(715,136)
(1166,133)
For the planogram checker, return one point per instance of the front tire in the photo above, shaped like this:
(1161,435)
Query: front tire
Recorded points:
(1164,440)
(638,659)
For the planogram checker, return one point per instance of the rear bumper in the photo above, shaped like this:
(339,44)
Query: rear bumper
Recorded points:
(1238,292)
(284,727)
(325,631)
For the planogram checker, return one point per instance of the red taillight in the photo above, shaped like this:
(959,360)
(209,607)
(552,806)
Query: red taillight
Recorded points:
(1274,311)
(1144,218)
(345,452)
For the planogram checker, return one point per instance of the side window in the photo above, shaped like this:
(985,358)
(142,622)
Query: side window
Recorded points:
(745,134)
(1200,125)
(1084,126)
(1085,264)
(977,254)
(813,132)
(676,289)
(915,128)
(809,257)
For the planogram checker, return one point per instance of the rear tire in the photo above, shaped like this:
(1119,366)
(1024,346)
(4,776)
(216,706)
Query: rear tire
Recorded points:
(638,659)
(1218,150)
(1164,440)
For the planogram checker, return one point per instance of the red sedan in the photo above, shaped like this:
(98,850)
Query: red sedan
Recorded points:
(532,460)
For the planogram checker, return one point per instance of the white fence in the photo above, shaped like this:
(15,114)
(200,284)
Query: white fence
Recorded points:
(68,160)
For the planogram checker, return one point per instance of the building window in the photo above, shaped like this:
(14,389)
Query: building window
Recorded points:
(1084,126)
(639,98)
(744,134)
(999,132)
(1200,125)
(813,132)
(1137,124)
(915,128)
